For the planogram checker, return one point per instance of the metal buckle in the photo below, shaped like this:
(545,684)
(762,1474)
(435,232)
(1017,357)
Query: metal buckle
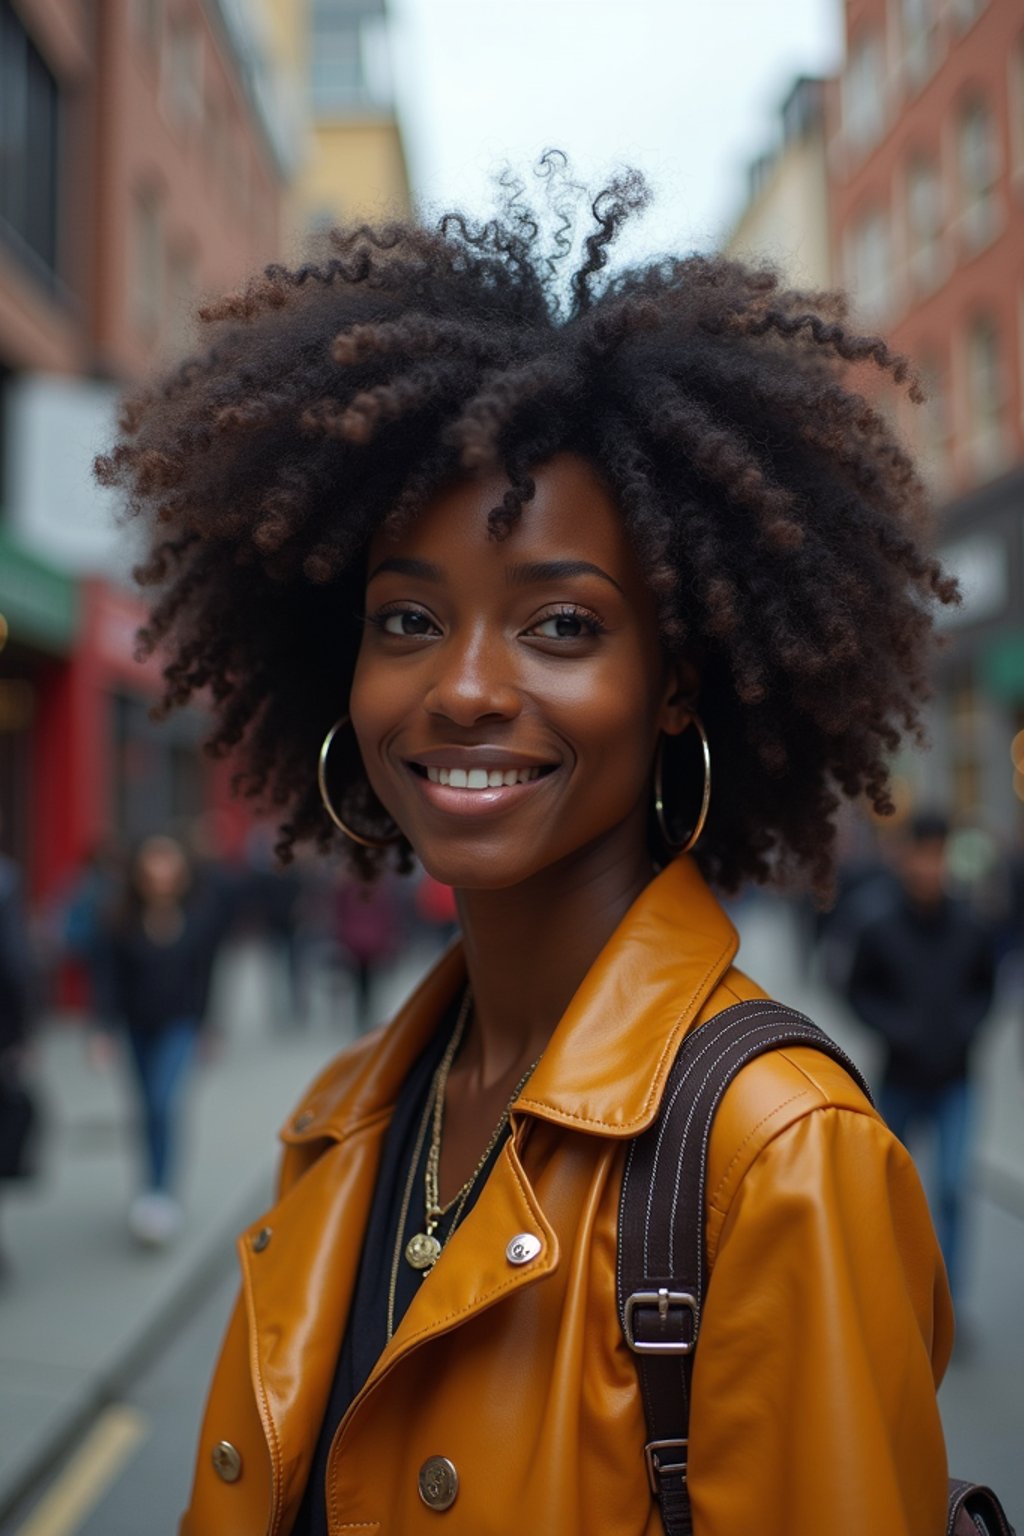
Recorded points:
(655,1469)
(663,1299)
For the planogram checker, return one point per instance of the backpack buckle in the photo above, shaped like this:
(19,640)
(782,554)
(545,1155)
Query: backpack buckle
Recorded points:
(663,1299)
(657,1469)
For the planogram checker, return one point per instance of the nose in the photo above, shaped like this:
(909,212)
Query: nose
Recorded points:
(473,681)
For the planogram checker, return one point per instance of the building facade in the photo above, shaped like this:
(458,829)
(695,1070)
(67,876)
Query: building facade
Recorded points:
(926,180)
(785,216)
(145,163)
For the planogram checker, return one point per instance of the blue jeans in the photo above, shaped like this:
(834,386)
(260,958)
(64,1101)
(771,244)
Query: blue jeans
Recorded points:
(948,1112)
(161,1060)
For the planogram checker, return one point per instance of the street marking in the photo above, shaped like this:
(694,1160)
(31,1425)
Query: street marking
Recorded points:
(90,1472)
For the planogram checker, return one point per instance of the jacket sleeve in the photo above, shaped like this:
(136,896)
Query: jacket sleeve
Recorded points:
(826,1329)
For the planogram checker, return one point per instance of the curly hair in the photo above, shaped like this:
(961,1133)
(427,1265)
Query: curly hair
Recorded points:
(780,523)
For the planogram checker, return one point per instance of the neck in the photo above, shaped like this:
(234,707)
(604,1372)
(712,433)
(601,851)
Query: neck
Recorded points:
(529,947)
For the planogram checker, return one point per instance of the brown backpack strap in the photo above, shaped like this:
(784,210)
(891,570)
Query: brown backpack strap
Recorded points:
(975,1511)
(662,1266)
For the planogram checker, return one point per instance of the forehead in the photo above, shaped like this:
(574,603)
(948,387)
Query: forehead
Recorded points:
(571,515)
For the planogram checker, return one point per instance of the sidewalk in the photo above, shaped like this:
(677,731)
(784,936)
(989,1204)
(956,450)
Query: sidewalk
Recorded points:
(82,1304)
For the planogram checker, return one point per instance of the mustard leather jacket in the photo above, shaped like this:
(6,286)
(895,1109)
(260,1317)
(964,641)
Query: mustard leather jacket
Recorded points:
(826,1328)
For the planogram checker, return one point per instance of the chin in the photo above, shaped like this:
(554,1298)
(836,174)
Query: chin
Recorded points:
(476,869)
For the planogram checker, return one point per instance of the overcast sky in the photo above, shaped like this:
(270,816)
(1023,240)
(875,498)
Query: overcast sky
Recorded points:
(687,90)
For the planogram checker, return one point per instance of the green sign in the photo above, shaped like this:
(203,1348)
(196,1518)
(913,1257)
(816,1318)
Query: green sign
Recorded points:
(39,603)
(1002,667)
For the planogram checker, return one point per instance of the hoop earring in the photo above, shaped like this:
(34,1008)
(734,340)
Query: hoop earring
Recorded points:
(705,801)
(325,795)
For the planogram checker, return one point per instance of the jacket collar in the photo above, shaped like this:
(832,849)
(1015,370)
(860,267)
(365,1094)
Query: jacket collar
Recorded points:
(606,1064)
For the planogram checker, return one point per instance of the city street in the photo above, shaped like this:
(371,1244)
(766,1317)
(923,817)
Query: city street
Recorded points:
(130,1446)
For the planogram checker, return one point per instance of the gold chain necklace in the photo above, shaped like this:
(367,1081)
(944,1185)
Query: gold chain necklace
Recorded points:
(424,1249)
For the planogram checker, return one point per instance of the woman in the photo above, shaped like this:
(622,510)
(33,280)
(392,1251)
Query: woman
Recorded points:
(160,950)
(499,553)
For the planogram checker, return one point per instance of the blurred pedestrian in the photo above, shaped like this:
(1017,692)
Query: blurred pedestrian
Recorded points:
(17,1106)
(922,976)
(161,945)
(369,932)
(86,914)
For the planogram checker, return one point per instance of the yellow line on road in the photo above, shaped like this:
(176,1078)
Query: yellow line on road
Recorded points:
(90,1472)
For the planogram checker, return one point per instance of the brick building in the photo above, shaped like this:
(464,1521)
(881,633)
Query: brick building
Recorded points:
(143,161)
(926,182)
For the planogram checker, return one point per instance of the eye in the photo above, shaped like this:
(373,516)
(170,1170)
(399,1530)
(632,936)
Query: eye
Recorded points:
(567,624)
(407,623)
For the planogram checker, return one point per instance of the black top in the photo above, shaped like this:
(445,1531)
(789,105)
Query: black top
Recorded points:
(924,980)
(151,984)
(366,1330)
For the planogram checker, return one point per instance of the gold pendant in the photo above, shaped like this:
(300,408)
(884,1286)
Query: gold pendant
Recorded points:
(423,1251)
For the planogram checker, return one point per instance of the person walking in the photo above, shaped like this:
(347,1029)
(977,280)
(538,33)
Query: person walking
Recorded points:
(587,590)
(18,1111)
(160,945)
(922,977)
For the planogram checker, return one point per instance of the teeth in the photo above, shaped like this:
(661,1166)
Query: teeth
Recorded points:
(482,778)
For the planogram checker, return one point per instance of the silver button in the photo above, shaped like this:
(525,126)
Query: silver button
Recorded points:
(438,1483)
(304,1121)
(523,1248)
(227,1461)
(261,1239)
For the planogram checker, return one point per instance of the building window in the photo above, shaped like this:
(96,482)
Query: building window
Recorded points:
(863,92)
(349,61)
(918,24)
(933,425)
(924,224)
(29,112)
(149,23)
(965,12)
(1016,96)
(978,175)
(182,82)
(986,398)
(148,265)
(869,265)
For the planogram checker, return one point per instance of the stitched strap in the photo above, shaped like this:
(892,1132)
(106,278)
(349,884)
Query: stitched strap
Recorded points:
(975,1511)
(662,1265)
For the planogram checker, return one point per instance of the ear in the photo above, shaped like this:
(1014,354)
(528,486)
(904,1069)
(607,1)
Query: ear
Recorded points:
(679,695)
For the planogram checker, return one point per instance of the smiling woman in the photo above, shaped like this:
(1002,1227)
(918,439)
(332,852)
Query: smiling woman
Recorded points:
(548,582)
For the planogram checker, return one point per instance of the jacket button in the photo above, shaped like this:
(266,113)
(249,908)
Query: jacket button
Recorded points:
(523,1248)
(439,1483)
(304,1121)
(261,1239)
(227,1462)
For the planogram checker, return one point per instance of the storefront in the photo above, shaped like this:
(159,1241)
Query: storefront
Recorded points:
(39,623)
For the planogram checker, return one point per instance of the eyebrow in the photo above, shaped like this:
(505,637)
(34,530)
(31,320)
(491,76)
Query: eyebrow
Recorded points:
(530,574)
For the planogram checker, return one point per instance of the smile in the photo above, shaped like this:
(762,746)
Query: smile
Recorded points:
(480,778)
(483,789)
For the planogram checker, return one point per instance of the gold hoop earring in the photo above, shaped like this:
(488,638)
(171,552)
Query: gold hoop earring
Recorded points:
(705,800)
(325,795)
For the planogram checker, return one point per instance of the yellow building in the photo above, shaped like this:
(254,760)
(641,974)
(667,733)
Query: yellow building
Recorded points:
(785,218)
(353,165)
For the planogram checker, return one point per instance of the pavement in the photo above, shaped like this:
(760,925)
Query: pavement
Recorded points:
(81,1306)
(82,1309)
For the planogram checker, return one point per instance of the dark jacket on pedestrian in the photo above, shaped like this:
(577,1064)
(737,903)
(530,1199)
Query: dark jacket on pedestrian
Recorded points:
(923,979)
(154,984)
(14,966)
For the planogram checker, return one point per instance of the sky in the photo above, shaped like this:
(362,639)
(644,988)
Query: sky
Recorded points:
(686,90)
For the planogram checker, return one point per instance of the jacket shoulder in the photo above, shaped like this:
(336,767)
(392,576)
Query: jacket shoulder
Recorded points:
(767,1096)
